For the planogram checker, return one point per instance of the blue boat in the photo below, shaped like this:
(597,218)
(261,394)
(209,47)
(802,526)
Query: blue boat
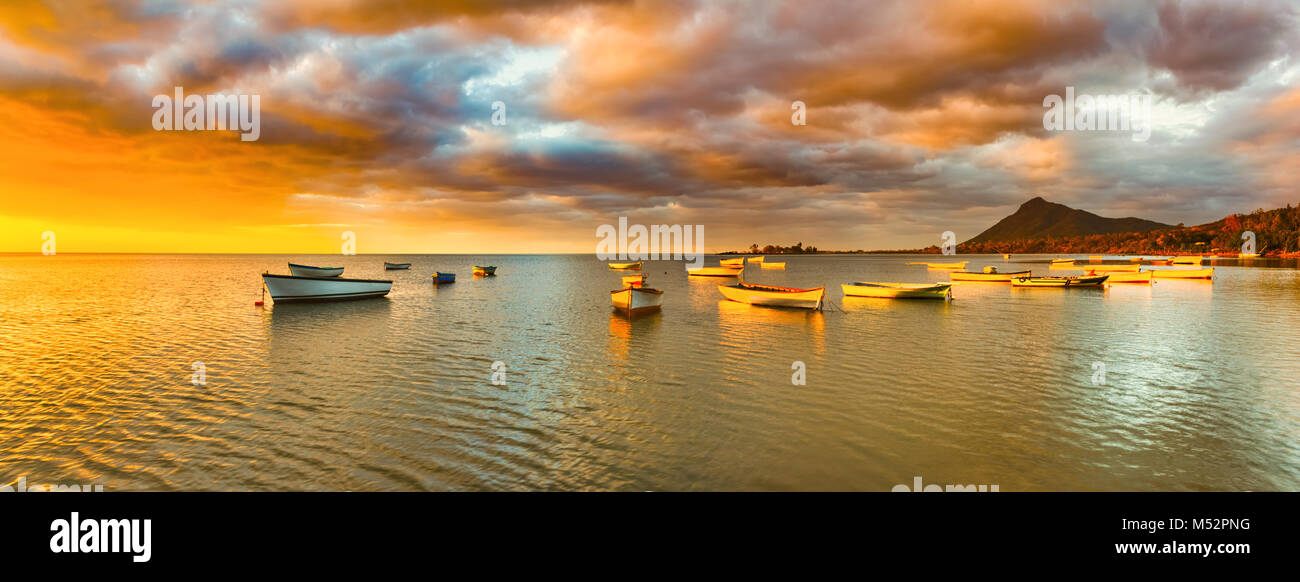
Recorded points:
(440,277)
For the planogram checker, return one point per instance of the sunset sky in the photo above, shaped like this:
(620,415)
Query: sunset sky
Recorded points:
(922,117)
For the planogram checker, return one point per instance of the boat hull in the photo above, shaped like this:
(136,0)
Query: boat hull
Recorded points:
(1059,282)
(715,272)
(774,296)
(637,299)
(732,262)
(441,278)
(396,266)
(897,290)
(625,266)
(987,277)
(771,266)
(485,271)
(1206,273)
(291,289)
(1143,278)
(1187,260)
(756,259)
(309,271)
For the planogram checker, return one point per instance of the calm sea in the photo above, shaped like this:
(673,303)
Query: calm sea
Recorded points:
(1185,385)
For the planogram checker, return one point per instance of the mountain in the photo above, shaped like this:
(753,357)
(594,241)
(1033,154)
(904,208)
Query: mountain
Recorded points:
(1038,218)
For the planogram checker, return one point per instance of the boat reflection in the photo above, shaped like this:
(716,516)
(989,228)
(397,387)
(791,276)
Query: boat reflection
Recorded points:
(744,324)
(626,331)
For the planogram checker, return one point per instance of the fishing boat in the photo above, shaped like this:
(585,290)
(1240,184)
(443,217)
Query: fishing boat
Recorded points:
(944,266)
(625,266)
(1062,260)
(634,300)
(715,272)
(1206,273)
(990,275)
(756,259)
(774,296)
(1006,256)
(295,289)
(898,290)
(1136,259)
(441,277)
(634,281)
(1193,260)
(1058,265)
(1247,255)
(1142,277)
(732,262)
(1061,282)
(1115,268)
(309,271)
(396,266)
(773,265)
(485,271)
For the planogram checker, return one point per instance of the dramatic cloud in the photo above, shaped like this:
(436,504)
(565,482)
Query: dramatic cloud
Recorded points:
(518,126)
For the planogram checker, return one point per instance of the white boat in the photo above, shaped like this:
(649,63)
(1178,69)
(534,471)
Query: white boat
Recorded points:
(293,289)
(715,272)
(772,296)
(309,271)
(635,300)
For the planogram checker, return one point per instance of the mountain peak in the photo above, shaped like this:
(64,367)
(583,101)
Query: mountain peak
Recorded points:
(1038,218)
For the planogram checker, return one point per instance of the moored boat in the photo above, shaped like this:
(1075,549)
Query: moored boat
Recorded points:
(767,265)
(625,266)
(1095,257)
(634,281)
(756,259)
(1192,260)
(634,300)
(1206,273)
(732,262)
(440,277)
(485,271)
(310,271)
(774,296)
(396,266)
(1142,277)
(1062,260)
(294,289)
(990,275)
(1060,282)
(898,290)
(715,272)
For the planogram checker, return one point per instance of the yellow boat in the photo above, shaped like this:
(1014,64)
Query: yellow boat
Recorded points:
(774,296)
(1062,260)
(1206,273)
(898,290)
(1095,257)
(773,265)
(755,259)
(1135,259)
(990,275)
(1114,268)
(961,265)
(488,271)
(1063,265)
(1187,260)
(1247,255)
(1059,282)
(732,262)
(626,266)
(1006,256)
(715,272)
(1143,277)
